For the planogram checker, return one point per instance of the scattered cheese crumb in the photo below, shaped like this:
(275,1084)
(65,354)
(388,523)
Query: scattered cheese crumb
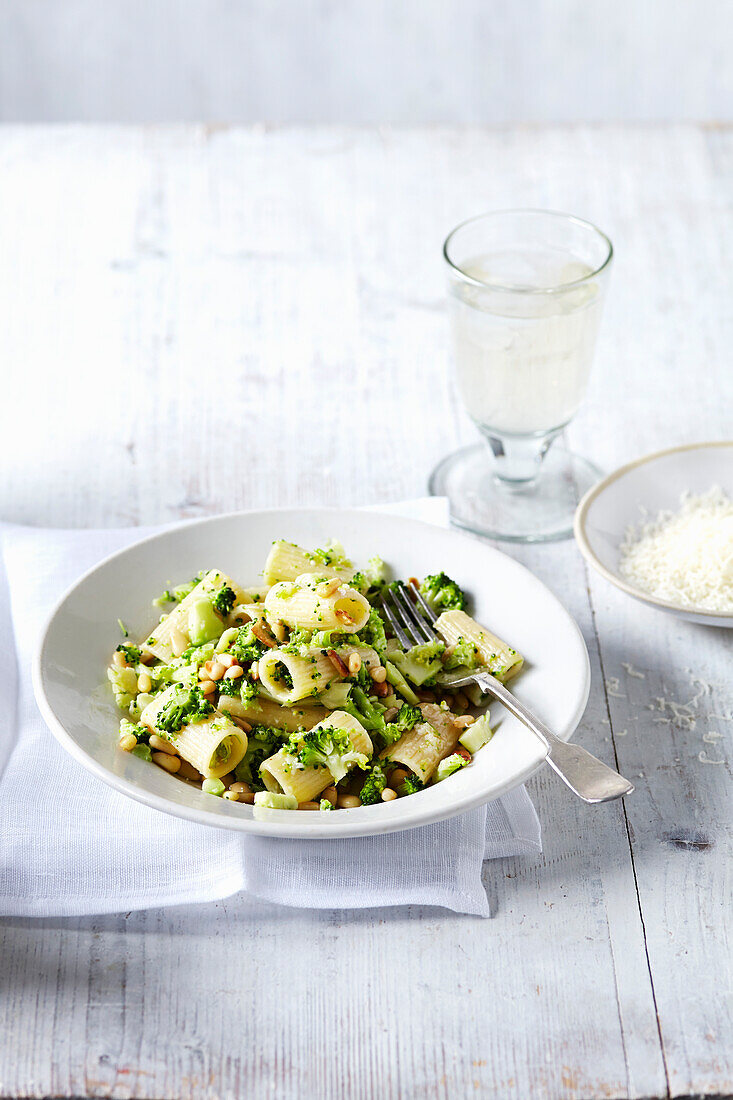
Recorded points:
(685,557)
(631,671)
(705,759)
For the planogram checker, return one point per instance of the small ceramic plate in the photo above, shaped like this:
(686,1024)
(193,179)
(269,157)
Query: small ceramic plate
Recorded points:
(653,483)
(82,632)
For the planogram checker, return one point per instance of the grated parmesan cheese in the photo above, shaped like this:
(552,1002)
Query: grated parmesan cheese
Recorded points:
(685,557)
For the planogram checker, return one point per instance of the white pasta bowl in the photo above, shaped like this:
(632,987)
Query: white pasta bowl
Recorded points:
(82,631)
(648,486)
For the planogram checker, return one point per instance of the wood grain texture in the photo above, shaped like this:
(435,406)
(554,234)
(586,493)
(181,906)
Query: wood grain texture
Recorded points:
(178,302)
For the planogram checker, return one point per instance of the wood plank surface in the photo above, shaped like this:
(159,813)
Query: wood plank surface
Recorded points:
(178,302)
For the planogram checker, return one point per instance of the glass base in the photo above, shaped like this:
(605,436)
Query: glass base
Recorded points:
(538,511)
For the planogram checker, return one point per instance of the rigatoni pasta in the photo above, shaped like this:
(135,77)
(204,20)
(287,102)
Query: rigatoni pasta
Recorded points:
(210,742)
(312,602)
(286,562)
(458,628)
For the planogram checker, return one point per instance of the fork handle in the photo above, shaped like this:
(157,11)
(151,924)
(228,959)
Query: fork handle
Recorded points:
(585,775)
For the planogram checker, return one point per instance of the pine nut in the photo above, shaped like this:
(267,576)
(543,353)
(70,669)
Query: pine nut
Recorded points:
(354,663)
(217,671)
(178,641)
(348,801)
(118,659)
(207,686)
(226,659)
(227,779)
(242,723)
(413,580)
(144,683)
(344,617)
(187,771)
(254,670)
(280,631)
(398,777)
(426,696)
(248,798)
(234,672)
(127,742)
(232,796)
(464,721)
(461,701)
(388,795)
(240,788)
(204,673)
(161,745)
(378,674)
(309,806)
(447,653)
(390,713)
(331,794)
(381,690)
(168,763)
(330,587)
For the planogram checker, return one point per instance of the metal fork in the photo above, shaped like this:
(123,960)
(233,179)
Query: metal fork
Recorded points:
(587,777)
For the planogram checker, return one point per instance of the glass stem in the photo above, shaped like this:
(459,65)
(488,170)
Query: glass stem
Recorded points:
(518,458)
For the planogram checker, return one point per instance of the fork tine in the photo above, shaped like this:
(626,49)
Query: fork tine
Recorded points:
(424,603)
(403,638)
(405,621)
(419,627)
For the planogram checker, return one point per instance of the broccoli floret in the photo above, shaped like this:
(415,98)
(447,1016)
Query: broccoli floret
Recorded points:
(332,555)
(407,717)
(373,632)
(131,652)
(224,600)
(182,590)
(325,805)
(376,781)
(248,691)
(465,655)
(270,735)
(191,708)
(140,733)
(247,647)
(229,687)
(411,785)
(326,747)
(372,578)
(405,720)
(442,593)
(164,598)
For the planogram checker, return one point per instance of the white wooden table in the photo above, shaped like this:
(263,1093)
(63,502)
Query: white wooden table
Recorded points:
(177,304)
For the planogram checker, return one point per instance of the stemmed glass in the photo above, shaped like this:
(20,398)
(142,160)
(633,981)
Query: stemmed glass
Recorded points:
(526,290)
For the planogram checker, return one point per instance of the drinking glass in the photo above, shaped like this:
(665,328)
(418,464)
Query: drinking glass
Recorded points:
(526,290)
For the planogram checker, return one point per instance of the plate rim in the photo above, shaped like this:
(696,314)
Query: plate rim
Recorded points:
(278,826)
(581,515)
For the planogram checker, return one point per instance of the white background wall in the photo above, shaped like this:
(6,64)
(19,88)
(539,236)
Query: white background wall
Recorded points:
(402,61)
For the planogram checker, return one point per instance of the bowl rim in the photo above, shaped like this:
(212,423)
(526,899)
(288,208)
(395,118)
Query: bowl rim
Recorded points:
(413,819)
(581,515)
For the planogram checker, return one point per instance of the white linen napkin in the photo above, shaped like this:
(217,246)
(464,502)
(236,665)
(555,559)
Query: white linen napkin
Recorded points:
(70,845)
